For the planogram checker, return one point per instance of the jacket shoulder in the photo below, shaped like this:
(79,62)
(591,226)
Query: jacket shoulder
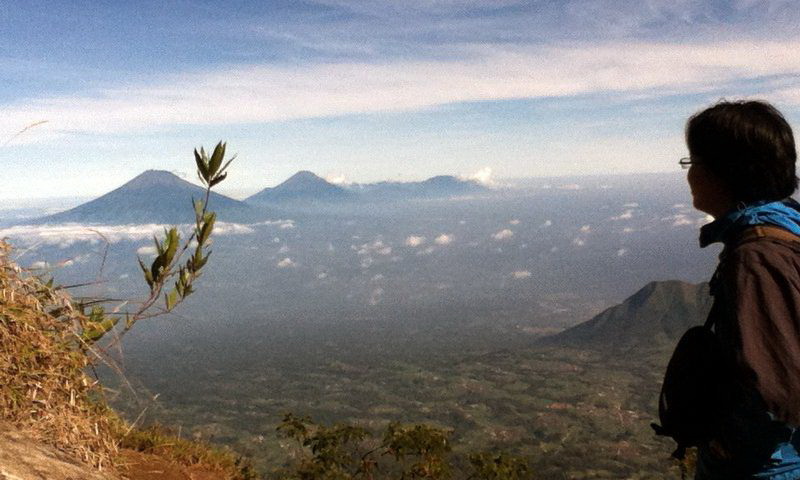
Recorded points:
(764,249)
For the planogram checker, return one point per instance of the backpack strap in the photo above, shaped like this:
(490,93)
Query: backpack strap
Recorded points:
(749,234)
(761,231)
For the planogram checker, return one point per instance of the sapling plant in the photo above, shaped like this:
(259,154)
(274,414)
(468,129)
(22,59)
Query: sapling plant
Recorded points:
(177,264)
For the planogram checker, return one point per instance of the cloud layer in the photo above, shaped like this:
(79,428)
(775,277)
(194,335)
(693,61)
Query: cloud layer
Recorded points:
(265,93)
(66,234)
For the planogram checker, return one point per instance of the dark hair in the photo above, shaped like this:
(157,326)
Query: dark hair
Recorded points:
(749,145)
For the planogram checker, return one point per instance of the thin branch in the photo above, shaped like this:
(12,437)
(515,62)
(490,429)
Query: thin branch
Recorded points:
(16,135)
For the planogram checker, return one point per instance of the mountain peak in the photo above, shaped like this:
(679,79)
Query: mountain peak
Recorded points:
(150,178)
(306,174)
(653,317)
(303,187)
(304,177)
(443,179)
(153,196)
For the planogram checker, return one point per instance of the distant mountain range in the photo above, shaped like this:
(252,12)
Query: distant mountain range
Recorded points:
(158,196)
(303,187)
(309,189)
(441,186)
(654,317)
(155,196)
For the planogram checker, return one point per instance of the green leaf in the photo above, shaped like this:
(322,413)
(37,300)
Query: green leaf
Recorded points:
(172,240)
(171,299)
(199,261)
(198,208)
(96,331)
(218,179)
(225,167)
(148,276)
(202,166)
(97,314)
(159,247)
(157,268)
(216,160)
(206,228)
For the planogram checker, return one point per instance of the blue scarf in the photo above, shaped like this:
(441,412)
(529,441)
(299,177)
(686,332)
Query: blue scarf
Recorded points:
(784,214)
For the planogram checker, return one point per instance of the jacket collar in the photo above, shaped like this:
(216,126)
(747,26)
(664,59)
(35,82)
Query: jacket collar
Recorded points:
(784,214)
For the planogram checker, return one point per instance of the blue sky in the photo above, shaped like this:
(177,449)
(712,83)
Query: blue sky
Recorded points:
(373,90)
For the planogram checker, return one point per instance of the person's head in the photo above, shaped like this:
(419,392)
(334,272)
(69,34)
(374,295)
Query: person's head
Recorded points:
(741,152)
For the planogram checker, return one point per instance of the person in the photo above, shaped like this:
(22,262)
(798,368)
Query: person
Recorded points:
(741,171)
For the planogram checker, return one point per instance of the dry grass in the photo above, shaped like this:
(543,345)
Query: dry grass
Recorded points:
(43,385)
(45,391)
(163,442)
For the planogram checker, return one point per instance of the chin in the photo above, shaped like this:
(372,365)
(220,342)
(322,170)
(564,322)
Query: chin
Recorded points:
(701,208)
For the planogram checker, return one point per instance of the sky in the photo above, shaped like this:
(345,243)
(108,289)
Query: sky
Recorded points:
(94,93)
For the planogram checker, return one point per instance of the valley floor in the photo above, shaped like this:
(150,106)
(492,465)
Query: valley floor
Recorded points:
(575,414)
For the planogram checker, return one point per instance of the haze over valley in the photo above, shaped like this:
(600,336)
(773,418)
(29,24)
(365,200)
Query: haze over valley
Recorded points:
(349,305)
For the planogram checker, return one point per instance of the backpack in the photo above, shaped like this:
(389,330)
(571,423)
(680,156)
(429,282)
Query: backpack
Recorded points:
(700,381)
(692,389)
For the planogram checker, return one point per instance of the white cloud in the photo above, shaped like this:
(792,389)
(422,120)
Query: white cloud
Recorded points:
(586,229)
(223,228)
(283,224)
(376,296)
(684,220)
(570,186)
(443,239)
(414,240)
(622,252)
(578,242)
(147,250)
(514,222)
(520,274)
(626,215)
(337,179)
(376,246)
(283,249)
(547,223)
(66,234)
(503,234)
(39,265)
(483,177)
(630,205)
(255,93)
(322,276)
(286,263)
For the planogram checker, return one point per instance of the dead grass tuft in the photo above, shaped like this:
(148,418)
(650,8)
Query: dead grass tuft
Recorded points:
(43,386)
(163,442)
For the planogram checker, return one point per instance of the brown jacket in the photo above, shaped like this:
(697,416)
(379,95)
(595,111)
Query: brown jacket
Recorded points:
(757,295)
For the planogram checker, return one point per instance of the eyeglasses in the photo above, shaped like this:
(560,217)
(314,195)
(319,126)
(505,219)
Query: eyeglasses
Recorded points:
(687,162)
